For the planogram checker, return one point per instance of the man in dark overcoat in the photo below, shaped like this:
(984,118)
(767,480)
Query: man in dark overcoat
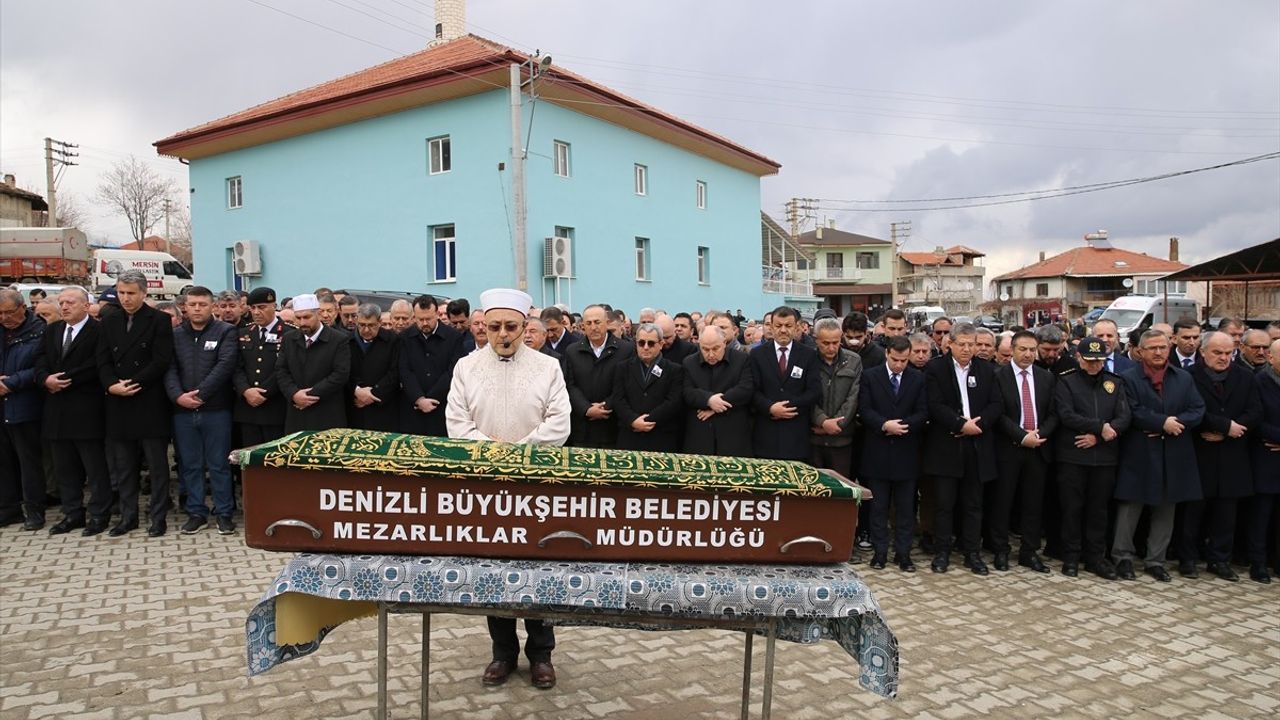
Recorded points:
(373,391)
(648,396)
(788,385)
(1264,510)
(428,351)
(314,364)
(718,386)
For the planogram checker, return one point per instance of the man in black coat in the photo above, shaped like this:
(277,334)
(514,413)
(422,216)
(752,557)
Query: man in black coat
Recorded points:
(312,371)
(260,406)
(1264,510)
(787,387)
(1053,353)
(559,337)
(134,353)
(718,387)
(894,410)
(1024,451)
(1233,411)
(648,396)
(589,369)
(674,348)
(373,392)
(964,409)
(428,351)
(855,330)
(67,368)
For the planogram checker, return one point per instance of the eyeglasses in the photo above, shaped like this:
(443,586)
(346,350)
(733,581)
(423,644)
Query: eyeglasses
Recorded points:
(647,343)
(1257,347)
(497,327)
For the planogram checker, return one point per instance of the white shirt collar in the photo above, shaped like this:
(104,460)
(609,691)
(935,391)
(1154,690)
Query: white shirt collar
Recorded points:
(316,336)
(75,329)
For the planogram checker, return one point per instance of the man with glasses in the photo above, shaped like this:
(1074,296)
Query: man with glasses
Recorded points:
(940,333)
(1253,350)
(589,369)
(373,392)
(647,396)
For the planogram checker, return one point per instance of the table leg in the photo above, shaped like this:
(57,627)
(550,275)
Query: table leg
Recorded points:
(746,677)
(382,661)
(426,663)
(768,669)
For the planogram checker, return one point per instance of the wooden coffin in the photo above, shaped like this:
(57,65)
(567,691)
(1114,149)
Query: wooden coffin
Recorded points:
(354,491)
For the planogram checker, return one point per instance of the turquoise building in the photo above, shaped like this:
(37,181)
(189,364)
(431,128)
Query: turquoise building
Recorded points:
(400,177)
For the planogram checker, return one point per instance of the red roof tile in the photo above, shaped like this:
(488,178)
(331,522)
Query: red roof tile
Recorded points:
(1088,260)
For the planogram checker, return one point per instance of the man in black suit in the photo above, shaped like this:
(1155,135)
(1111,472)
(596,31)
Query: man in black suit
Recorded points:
(894,410)
(855,329)
(964,408)
(1117,361)
(373,391)
(428,351)
(1023,452)
(559,337)
(648,396)
(312,371)
(718,386)
(535,338)
(134,353)
(589,369)
(787,386)
(260,407)
(674,348)
(67,368)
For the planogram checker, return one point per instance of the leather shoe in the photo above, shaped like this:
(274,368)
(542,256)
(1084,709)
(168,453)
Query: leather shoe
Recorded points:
(1159,573)
(974,562)
(157,529)
(1187,569)
(1124,570)
(543,675)
(1001,562)
(122,528)
(33,523)
(497,672)
(1102,569)
(878,562)
(66,525)
(905,564)
(1224,571)
(94,527)
(1258,573)
(1034,562)
(940,562)
(1070,569)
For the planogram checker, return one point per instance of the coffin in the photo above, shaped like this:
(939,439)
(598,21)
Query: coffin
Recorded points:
(356,491)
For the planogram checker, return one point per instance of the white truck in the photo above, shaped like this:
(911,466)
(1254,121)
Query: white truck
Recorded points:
(166,277)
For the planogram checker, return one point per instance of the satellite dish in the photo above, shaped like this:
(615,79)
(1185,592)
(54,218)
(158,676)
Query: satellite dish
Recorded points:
(1127,282)
(1004,297)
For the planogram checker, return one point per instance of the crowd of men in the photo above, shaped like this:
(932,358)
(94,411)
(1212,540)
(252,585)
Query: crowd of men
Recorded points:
(1082,449)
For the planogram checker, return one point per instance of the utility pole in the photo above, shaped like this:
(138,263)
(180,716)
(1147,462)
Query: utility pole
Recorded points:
(56,152)
(168,246)
(898,234)
(517,182)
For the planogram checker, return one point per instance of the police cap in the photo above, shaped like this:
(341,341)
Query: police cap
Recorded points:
(260,295)
(1092,348)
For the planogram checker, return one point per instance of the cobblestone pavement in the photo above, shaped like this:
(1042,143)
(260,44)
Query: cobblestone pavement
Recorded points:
(154,628)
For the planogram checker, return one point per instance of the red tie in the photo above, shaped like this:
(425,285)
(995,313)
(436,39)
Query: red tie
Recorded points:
(1028,409)
(782,362)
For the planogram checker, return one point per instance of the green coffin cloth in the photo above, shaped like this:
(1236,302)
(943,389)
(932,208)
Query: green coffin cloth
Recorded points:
(363,451)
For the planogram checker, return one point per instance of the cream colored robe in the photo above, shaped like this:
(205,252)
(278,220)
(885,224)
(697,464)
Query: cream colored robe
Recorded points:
(523,400)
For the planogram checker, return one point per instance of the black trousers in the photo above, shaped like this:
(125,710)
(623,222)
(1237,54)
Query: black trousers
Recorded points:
(1215,516)
(252,434)
(1084,494)
(964,492)
(1264,514)
(123,462)
(538,645)
(77,463)
(902,495)
(1021,476)
(20,448)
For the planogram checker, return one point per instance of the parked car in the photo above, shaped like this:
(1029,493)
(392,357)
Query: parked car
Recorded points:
(51,290)
(1093,315)
(991,323)
(384,298)
(962,320)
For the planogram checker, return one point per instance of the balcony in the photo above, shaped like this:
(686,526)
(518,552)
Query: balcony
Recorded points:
(835,274)
(785,282)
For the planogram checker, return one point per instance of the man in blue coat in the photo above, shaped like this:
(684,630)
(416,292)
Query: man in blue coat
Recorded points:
(1266,470)
(1157,458)
(787,387)
(21,409)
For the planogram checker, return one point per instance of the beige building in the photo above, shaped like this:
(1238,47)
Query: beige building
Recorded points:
(21,208)
(952,278)
(849,271)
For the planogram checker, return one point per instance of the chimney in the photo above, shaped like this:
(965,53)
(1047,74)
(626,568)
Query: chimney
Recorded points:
(1173,248)
(451,20)
(1041,256)
(10,180)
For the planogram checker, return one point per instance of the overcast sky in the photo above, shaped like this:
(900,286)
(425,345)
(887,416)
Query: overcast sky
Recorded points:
(857,100)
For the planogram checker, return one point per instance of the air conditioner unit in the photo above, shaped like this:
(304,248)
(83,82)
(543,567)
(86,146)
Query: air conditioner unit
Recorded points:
(557,257)
(247,257)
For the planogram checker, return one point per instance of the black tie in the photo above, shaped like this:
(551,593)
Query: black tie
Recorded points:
(66,344)
(128,324)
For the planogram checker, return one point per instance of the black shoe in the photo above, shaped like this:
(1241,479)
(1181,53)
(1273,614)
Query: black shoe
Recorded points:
(940,562)
(1001,561)
(94,527)
(975,563)
(1034,562)
(878,561)
(33,523)
(1258,573)
(1124,570)
(1102,569)
(193,525)
(1070,569)
(905,564)
(122,528)
(1224,571)
(66,525)
(1187,569)
(157,529)
(227,526)
(1159,573)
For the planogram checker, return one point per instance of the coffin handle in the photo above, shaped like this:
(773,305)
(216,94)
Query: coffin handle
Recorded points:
(290,522)
(806,539)
(564,535)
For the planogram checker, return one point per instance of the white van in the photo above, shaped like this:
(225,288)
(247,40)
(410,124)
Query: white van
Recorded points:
(922,316)
(1142,311)
(166,277)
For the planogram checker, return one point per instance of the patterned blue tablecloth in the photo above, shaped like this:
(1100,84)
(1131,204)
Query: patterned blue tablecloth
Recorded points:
(812,602)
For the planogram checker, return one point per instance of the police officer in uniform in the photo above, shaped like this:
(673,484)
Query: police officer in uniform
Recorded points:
(259,405)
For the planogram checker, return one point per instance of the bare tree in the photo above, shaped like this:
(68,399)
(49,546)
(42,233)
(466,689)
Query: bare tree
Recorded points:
(180,232)
(138,192)
(71,213)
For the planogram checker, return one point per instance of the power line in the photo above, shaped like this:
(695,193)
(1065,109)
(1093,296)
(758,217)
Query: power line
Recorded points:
(326,27)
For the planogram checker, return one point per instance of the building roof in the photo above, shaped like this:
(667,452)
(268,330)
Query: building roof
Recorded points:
(1097,262)
(953,256)
(37,200)
(1259,262)
(773,238)
(838,238)
(150,242)
(464,66)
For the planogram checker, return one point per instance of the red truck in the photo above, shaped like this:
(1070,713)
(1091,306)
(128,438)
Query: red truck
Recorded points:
(34,254)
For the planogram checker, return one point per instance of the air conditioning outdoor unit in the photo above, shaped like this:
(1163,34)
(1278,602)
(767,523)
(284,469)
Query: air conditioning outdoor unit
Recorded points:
(247,257)
(557,257)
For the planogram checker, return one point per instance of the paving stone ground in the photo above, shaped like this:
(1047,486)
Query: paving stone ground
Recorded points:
(154,628)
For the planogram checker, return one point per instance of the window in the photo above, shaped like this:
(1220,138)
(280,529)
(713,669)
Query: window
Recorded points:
(444,254)
(835,265)
(702,195)
(234,197)
(642,258)
(562,158)
(642,180)
(441,155)
(1008,290)
(704,265)
(176,269)
(1042,289)
(869,260)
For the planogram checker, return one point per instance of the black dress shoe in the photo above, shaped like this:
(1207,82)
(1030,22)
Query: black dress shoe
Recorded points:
(940,562)
(94,527)
(905,564)
(1159,573)
(157,529)
(542,675)
(1258,573)
(1001,562)
(122,529)
(1034,562)
(66,525)
(497,672)
(1070,569)
(1224,571)
(975,563)
(33,523)
(1187,569)
(878,562)
(1101,568)
(1124,570)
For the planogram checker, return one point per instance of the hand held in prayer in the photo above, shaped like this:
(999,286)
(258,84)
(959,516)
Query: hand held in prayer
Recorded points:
(1237,430)
(57,382)
(1173,427)
(1033,439)
(255,396)
(303,399)
(1213,437)
(125,388)
(426,405)
(1109,433)
(705,415)
(783,410)
(1086,441)
(643,424)
(717,403)
(971,427)
(895,427)
(190,400)
(832,426)
(598,411)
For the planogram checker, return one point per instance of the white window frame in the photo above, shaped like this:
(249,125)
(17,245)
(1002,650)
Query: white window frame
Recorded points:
(704,265)
(642,259)
(235,192)
(701,194)
(450,243)
(641,179)
(561,158)
(437,157)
